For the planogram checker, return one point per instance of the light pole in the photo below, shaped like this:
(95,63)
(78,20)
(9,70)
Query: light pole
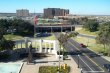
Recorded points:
(59,59)
(78,60)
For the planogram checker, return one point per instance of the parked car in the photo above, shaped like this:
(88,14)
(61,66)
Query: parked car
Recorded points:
(107,66)
(82,45)
(37,34)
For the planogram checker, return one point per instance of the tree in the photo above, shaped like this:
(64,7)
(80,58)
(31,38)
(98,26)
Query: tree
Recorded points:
(1,33)
(6,44)
(104,35)
(22,27)
(63,38)
(74,21)
(91,25)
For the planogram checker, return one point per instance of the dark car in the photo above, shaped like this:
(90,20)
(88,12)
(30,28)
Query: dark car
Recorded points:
(38,34)
(82,45)
(107,66)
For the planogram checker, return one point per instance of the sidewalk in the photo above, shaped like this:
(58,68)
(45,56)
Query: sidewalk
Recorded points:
(107,58)
(73,65)
(34,68)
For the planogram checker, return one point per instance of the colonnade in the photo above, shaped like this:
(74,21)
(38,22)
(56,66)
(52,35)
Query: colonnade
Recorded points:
(41,46)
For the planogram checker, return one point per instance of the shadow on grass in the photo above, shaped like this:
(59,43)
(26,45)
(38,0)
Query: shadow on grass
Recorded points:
(20,57)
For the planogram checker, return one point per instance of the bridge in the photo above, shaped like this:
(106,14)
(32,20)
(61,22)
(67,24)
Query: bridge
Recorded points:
(56,28)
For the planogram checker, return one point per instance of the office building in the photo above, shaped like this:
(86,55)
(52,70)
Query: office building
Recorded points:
(22,13)
(51,12)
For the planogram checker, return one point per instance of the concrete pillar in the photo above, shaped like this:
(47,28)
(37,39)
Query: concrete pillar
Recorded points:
(26,44)
(17,46)
(45,48)
(21,44)
(31,42)
(54,45)
(61,28)
(35,46)
(71,28)
(51,29)
(49,45)
(40,49)
(49,50)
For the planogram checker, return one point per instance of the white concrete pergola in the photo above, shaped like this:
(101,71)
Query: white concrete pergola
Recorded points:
(47,49)
(42,48)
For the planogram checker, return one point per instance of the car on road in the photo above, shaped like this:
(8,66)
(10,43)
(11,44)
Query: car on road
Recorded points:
(107,66)
(83,46)
(38,34)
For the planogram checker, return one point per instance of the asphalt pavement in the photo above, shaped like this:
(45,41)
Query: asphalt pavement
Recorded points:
(87,60)
(88,36)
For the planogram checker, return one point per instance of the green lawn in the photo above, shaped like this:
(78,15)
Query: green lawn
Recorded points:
(52,37)
(52,69)
(17,37)
(12,37)
(91,44)
(83,31)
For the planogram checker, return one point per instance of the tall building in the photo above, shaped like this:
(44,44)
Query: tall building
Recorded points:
(22,13)
(51,12)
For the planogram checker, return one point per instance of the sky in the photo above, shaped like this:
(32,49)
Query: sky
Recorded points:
(86,7)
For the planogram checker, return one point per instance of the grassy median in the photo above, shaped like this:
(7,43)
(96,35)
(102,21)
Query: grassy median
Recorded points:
(83,31)
(53,69)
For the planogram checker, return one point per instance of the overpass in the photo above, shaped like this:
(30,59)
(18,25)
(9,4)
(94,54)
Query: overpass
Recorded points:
(56,28)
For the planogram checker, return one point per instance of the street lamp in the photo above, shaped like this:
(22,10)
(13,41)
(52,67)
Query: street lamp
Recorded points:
(78,60)
(59,59)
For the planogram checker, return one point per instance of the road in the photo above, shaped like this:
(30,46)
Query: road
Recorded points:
(88,36)
(89,61)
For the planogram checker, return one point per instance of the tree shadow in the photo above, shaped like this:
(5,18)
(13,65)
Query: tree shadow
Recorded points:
(22,57)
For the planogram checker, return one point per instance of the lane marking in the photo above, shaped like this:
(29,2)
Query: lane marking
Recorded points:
(87,57)
(86,64)
(93,71)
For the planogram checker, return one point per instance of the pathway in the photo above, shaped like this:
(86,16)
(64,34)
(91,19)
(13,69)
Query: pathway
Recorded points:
(34,68)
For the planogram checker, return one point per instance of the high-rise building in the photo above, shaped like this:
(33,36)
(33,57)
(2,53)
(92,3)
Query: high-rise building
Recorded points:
(51,12)
(22,13)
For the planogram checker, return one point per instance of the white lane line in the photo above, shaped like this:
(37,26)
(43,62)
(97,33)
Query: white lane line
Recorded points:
(87,56)
(93,71)
(86,64)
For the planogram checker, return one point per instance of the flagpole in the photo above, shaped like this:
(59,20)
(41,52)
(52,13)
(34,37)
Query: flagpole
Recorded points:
(34,30)
(35,23)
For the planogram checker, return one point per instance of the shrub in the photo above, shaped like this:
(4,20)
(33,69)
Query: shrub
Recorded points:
(53,69)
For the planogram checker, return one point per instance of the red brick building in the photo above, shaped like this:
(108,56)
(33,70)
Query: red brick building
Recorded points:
(51,12)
